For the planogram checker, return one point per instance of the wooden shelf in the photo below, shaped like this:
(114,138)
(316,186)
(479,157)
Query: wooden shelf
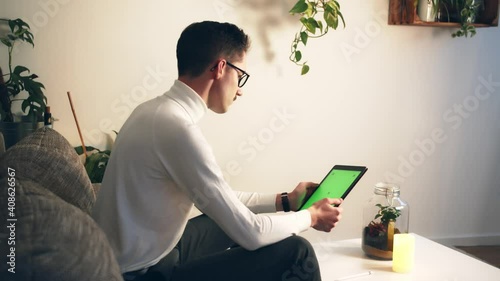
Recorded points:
(404,12)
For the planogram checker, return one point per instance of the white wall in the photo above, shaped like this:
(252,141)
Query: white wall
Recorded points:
(387,97)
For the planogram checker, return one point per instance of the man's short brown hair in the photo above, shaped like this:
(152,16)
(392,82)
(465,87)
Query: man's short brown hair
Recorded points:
(202,43)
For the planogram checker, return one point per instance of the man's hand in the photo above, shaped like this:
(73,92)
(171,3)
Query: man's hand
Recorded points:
(324,216)
(302,190)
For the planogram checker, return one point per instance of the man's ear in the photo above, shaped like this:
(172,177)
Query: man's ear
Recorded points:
(218,69)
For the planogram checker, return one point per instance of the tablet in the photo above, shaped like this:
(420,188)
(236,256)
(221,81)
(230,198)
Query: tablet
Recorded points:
(337,184)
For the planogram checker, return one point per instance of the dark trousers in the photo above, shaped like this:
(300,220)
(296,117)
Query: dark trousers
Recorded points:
(205,252)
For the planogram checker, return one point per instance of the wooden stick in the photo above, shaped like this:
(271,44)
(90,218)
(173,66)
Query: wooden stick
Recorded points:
(77,125)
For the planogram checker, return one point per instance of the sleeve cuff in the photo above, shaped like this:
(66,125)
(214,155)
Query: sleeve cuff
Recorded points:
(304,218)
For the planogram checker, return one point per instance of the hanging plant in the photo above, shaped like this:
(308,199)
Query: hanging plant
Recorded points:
(468,12)
(317,16)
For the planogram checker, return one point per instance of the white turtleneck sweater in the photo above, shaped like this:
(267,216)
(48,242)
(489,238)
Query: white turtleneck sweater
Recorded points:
(161,165)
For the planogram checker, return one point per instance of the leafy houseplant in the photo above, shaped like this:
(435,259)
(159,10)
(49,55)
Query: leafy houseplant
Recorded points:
(95,163)
(313,25)
(378,235)
(467,11)
(19,78)
(464,12)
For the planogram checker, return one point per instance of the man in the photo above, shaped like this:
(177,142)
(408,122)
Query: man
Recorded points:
(161,165)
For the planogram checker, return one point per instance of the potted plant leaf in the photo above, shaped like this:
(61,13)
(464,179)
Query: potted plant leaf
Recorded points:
(19,87)
(467,12)
(463,12)
(96,161)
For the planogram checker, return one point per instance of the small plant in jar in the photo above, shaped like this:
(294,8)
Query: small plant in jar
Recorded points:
(385,215)
(380,233)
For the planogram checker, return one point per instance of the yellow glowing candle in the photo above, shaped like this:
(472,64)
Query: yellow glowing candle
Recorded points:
(404,253)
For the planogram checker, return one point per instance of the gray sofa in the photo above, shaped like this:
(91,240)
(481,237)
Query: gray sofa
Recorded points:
(49,234)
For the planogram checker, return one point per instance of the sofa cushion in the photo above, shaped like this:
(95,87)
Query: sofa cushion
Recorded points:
(47,158)
(54,240)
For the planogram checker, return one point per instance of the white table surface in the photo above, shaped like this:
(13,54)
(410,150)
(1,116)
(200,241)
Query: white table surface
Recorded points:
(433,262)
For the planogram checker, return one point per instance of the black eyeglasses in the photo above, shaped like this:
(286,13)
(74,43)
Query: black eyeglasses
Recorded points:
(243,78)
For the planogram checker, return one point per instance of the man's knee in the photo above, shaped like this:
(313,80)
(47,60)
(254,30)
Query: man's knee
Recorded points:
(300,245)
(304,262)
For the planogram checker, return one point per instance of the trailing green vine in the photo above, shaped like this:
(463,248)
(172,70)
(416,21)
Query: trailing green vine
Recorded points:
(468,12)
(313,24)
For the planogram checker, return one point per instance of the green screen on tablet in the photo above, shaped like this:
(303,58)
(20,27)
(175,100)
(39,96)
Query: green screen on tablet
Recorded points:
(337,184)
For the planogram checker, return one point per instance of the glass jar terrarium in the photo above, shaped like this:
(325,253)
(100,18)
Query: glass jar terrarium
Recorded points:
(384,215)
